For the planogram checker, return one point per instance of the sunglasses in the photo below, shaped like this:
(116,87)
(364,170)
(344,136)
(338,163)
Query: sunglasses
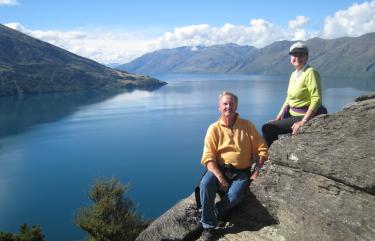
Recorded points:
(298,55)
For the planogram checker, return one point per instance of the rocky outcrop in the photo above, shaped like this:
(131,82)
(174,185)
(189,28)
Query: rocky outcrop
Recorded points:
(322,181)
(317,185)
(250,221)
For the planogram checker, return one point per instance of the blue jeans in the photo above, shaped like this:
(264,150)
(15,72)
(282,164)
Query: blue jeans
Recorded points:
(209,186)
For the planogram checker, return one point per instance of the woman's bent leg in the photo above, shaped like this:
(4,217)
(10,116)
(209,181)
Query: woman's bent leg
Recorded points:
(272,129)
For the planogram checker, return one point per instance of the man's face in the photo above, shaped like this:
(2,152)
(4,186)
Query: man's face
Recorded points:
(227,106)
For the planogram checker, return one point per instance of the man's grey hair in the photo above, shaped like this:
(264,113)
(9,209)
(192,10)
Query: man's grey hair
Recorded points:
(230,94)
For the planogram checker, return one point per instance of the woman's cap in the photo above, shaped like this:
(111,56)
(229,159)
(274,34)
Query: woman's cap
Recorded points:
(298,47)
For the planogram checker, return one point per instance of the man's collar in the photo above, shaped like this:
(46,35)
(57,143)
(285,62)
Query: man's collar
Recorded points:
(236,117)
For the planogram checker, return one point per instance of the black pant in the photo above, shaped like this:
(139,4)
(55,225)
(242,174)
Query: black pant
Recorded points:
(272,129)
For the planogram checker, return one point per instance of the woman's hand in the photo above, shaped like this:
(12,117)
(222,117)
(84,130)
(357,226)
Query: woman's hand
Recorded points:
(278,117)
(297,125)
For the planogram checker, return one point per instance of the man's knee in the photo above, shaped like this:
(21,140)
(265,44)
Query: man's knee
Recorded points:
(237,192)
(208,181)
(235,199)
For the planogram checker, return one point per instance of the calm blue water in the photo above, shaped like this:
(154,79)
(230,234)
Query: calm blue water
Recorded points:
(53,146)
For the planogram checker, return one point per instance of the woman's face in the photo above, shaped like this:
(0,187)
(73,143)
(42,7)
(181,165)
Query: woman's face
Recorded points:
(298,60)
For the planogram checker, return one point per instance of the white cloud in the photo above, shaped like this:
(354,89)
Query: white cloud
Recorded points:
(101,46)
(18,27)
(258,33)
(298,22)
(355,21)
(119,47)
(9,2)
(115,46)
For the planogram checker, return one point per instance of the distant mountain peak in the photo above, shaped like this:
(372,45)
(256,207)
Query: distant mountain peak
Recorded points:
(196,48)
(341,57)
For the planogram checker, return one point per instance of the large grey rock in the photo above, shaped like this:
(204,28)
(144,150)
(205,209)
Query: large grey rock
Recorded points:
(175,224)
(250,221)
(320,183)
(316,185)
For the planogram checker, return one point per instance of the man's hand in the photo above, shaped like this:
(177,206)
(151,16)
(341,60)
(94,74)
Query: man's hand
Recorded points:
(257,167)
(254,175)
(213,167)
(224,185)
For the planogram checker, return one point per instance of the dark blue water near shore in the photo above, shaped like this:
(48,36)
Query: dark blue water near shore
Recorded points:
(53,146)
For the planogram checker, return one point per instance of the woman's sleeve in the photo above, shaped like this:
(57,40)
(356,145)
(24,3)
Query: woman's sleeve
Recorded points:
(286,99)
(315,90)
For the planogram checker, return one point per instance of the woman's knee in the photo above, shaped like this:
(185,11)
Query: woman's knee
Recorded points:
(266,128)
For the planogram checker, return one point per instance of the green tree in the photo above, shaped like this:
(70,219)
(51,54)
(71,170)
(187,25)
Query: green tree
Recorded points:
(112,216)
(26,234)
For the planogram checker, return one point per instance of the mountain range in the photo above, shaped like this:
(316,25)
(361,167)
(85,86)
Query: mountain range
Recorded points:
(352,57)
(28,65)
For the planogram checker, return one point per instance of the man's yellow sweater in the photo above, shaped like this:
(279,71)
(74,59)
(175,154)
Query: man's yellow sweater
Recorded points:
(237,146)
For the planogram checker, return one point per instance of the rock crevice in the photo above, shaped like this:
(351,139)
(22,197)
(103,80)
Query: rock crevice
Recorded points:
(370,191)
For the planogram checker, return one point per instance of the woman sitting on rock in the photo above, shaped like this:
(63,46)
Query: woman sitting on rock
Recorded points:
(304,97)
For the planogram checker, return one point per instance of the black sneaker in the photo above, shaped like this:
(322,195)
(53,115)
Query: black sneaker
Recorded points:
(223,219)
(221,223)
(207,234)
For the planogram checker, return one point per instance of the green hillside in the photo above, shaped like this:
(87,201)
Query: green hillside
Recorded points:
(28,65)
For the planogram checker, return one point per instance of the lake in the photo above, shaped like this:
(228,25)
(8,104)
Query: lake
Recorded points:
(53,146)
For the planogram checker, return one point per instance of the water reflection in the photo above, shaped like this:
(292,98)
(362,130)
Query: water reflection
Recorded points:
(20,113)
(355,83)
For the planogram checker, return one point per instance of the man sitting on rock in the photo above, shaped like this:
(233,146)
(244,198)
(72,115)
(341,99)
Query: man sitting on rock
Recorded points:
(230,147)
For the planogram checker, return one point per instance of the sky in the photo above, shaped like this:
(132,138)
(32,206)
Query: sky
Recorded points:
(118,31)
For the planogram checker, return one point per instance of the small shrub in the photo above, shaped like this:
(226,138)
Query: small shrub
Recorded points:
(111,217)
(26,234)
